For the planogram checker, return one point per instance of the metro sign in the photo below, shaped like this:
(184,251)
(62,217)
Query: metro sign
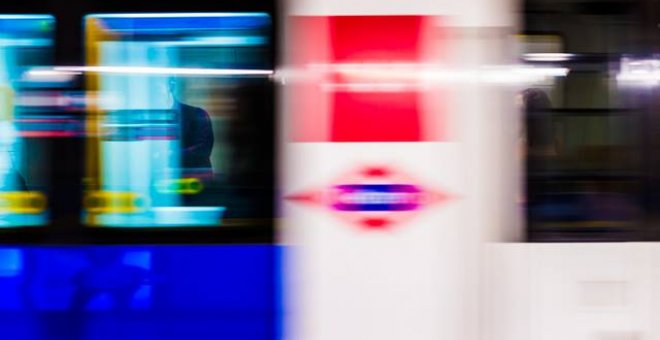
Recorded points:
(373,197)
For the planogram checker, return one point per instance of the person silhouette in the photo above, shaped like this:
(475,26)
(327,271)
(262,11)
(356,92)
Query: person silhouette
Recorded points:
(196,132)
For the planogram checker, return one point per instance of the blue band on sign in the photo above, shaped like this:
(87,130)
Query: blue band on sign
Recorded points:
(376,197)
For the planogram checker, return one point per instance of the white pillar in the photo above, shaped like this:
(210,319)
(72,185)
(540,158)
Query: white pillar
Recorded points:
(385,236)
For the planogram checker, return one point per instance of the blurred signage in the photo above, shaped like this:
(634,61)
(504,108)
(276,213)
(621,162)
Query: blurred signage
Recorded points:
(373,197)
(50,113)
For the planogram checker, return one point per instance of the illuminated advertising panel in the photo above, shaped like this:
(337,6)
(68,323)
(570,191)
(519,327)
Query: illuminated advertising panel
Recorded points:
(161,149)
(25,42)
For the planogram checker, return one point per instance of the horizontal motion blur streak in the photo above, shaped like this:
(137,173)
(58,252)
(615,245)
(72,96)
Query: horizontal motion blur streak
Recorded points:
(149,70)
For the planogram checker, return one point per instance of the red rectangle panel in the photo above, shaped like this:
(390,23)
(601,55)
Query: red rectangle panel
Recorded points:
(353,95)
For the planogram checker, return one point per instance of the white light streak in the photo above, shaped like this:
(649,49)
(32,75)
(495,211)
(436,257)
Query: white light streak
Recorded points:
(45,74)
(412,74)
(548,56)
(25,16)
(175,15)
(644,72)
(163,70)
(645,78)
